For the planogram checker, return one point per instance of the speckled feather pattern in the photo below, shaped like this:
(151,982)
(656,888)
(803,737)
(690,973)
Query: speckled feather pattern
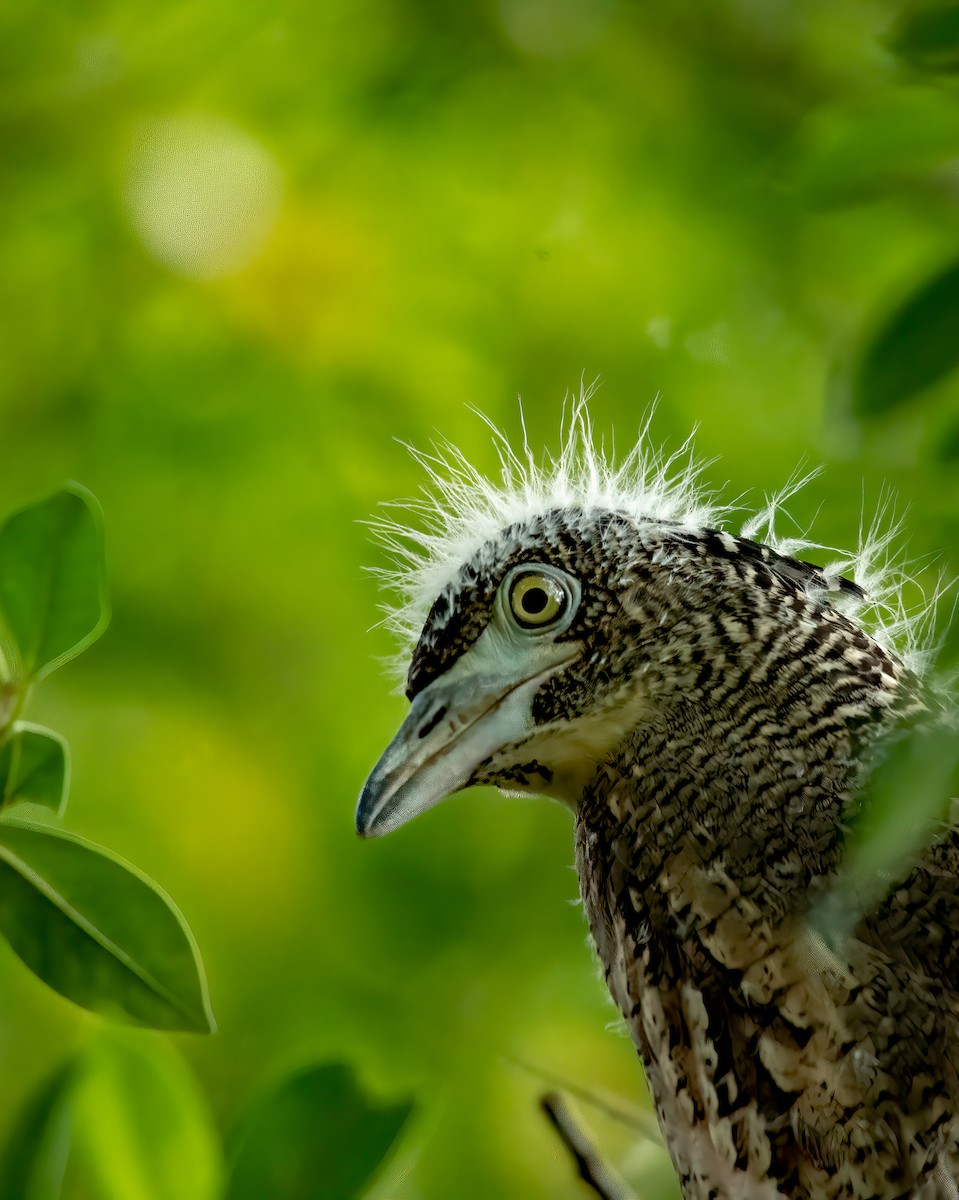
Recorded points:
(760,689)
(777,1067)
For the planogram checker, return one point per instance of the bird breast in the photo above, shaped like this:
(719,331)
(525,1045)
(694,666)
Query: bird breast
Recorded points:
(775,1065)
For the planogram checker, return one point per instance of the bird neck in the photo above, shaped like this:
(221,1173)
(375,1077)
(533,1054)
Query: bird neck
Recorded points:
(753,790)
(699,813)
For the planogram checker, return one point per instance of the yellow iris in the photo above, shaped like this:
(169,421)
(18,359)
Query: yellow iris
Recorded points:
(536,599)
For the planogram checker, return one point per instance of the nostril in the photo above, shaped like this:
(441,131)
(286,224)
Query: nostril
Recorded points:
(433,721)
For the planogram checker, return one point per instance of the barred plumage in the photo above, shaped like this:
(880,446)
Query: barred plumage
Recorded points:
(708,705)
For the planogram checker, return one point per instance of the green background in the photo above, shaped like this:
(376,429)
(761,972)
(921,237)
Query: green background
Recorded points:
(247,249)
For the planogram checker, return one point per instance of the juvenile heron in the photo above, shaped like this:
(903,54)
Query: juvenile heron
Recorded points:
(708,705)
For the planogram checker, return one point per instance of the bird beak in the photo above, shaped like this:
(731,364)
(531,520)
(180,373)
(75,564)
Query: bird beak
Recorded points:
(456,723)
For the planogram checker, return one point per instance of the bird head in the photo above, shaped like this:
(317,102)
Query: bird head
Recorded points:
(522,673)
(572,607)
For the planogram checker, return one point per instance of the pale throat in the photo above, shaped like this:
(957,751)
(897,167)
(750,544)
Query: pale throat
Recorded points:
(575,751)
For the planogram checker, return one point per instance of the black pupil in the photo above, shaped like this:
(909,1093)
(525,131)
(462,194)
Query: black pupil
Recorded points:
(535,600)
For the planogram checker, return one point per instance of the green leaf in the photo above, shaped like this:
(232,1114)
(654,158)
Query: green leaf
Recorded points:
(881,142)
(34,766)
(141,1128)
(909,794)
(52,589)
(905,803)
(927,37)
(98,931)
(915,347)
(316,1126)
(34,1158)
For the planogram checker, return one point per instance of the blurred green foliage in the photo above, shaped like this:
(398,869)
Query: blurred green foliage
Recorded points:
(316,1132)
(93,928)
(126,1120)
(245,248)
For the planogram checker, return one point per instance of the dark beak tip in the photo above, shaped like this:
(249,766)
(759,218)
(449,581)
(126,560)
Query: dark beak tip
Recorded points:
(366,811)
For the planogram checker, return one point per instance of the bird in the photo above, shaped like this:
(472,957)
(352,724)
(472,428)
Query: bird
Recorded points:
(710,706)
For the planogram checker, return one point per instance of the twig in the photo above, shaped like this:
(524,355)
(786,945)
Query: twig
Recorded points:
(611,1106)
(592,1170)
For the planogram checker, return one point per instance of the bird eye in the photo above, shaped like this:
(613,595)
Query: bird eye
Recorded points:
(537,599)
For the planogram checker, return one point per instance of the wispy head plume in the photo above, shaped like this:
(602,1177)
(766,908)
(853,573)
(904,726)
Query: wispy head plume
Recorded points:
(459,510)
